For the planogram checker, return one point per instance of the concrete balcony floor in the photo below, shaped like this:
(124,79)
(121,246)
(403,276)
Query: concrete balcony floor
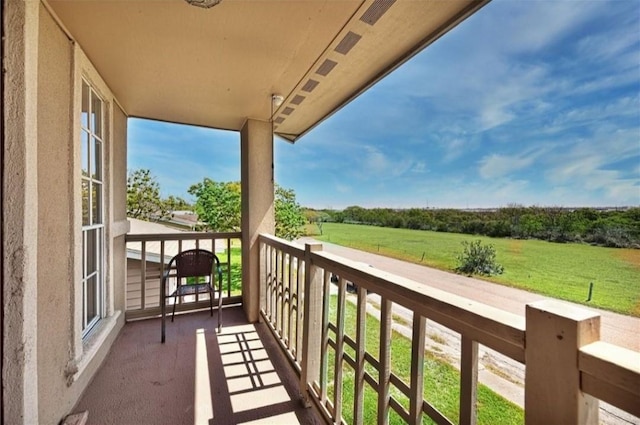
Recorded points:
(239,376)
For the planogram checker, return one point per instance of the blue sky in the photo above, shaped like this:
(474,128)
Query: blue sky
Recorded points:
(529,102)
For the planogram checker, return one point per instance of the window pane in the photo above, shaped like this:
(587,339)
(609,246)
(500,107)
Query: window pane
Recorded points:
(91,295)
(92,251)
(85,203)
(84,142)
(97,159)
(96,198)
(96,115)
(84,117)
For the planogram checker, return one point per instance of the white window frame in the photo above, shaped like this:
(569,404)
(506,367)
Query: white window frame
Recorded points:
(92,140)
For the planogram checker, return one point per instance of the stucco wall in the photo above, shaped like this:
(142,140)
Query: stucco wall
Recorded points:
(20,213)
(69,362)
(119,196)
(54,218)
(119,164)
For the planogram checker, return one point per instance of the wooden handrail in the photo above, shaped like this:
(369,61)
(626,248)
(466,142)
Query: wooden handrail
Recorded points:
(181,236)
(588,366)
(490,326)
(612,374)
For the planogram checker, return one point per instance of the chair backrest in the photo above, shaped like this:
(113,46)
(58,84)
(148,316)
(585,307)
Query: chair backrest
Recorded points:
(195,262)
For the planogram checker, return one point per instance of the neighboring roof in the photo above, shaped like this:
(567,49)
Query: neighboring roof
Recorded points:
(216,67)
(171,247)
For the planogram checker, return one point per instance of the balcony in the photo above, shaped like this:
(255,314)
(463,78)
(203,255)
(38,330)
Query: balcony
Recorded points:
(311,349)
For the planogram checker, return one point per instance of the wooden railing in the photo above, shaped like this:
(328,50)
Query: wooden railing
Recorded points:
(567,371)
(149,254)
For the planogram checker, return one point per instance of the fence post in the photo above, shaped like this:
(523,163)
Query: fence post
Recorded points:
(555,332)
(312,322)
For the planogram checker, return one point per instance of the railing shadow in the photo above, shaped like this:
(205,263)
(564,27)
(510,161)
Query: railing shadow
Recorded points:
(238,376)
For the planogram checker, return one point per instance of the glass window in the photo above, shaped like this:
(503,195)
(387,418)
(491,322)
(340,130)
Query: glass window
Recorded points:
(84,142)
(84,116)
(91,133)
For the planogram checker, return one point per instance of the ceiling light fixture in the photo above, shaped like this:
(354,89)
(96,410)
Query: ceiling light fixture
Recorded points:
(277,99)
(205,4)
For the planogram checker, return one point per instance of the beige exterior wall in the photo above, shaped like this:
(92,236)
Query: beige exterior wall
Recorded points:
(55,227)
(119,196)
(20,213)
(42,239)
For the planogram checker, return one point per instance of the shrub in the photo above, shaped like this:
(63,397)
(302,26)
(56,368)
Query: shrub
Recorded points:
(477,258)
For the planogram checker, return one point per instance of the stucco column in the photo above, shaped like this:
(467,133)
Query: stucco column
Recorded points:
(256,151)
(20,213)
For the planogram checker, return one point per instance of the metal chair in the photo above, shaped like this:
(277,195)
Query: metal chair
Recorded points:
(191,267)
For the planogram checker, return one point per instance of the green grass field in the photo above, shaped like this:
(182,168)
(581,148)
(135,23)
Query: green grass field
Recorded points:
(562,271)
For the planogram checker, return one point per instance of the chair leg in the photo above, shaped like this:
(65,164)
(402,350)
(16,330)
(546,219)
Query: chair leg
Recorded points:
(173,313)
(163,308)
(220,310)
(211,302)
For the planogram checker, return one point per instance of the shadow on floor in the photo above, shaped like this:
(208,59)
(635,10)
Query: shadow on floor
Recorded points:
(197,377)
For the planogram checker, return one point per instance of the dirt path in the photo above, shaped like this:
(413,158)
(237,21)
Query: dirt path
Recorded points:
(503,375)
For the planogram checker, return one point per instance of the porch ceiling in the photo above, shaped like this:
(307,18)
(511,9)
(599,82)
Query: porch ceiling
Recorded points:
(216,67)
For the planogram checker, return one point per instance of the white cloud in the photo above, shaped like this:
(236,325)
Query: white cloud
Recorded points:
(419,167)
(342,188)
(496,165)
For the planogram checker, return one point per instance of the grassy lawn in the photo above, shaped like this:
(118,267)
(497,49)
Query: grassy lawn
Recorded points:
(236,271)
(441,380)
(559,270)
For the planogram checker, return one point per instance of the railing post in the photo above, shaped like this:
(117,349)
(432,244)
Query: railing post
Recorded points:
(312,322)
(555,332)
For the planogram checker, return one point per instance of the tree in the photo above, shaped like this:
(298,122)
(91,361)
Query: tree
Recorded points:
(217,204)
(143,195)
(288,214)
(175,203)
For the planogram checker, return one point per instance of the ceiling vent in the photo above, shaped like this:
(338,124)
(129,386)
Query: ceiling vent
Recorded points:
(326,67)
(376,10)
(348,42)
(297,99)
(310,85)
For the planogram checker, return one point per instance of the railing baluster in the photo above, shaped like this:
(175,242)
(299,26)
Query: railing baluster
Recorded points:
(337,382)
(143,275)
(468,380)
(285,298)
(310,364)
(262,277)
(278,293)
(274,287)
(385,361)
(290,315)
(299,310)
(269,281)
(229,266)
(361,332)
(324,362)
(417,369)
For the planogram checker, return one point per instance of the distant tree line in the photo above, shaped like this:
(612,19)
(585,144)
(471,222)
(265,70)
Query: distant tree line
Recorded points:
(618,228)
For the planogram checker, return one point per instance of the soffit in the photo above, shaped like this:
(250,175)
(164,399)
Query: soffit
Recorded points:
(216,67)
